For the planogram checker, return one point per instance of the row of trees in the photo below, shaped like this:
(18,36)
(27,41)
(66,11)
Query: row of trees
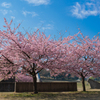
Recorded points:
(30,53)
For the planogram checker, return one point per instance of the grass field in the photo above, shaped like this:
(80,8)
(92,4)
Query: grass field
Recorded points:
(90,94)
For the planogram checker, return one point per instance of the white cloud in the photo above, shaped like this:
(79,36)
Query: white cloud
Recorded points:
(32,13)
(6,5)
(38,2)
(4,12)
(41,21)
(12,17)
(10,11)
(48,26)
(85,10)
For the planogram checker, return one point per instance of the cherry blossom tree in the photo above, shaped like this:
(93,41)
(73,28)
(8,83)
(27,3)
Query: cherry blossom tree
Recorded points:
(30,52)
(83,59)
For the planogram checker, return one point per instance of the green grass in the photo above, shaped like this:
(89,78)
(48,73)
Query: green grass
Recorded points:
(88,88)
(79,86)
(88,95)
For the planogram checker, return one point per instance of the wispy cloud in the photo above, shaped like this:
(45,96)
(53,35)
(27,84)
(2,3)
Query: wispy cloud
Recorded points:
(12,17)
(31,13)
(4,12)
(6,5)
(44,27)
(84,10)
(48,26)
(38,2)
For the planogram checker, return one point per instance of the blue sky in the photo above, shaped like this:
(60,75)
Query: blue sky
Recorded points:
(53,16)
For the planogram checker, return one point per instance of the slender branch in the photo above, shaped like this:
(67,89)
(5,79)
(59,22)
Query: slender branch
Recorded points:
(39,70)
(8,60)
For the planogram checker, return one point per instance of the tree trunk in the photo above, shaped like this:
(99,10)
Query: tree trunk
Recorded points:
(35,84)
(83,83)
